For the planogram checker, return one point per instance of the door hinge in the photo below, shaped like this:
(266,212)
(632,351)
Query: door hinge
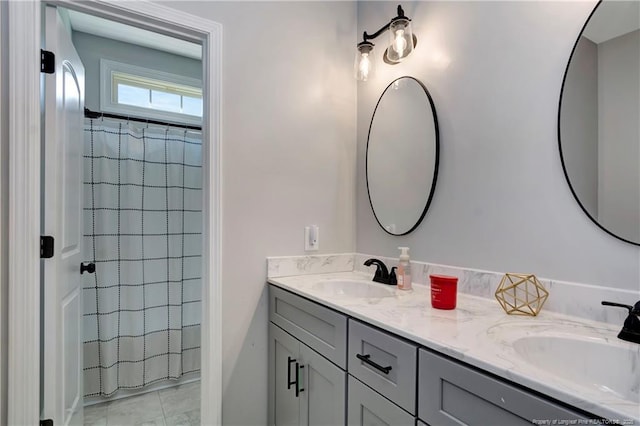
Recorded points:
(47,62)
(46,247)
(47,422)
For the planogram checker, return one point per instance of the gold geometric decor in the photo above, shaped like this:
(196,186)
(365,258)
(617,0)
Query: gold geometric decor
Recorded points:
(521,294)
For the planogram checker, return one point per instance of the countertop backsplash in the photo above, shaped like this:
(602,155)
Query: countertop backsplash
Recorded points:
(569,298)
(286,266)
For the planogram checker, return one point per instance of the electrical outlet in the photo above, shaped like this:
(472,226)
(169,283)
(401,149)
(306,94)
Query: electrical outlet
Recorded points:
(311,238)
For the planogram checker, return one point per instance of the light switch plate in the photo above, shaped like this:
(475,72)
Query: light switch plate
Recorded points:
(311,238)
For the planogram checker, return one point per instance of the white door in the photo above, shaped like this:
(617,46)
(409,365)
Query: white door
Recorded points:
(62,219)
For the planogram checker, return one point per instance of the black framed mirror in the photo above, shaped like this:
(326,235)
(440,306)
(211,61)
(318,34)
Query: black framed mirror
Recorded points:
(402,156)
(598,116)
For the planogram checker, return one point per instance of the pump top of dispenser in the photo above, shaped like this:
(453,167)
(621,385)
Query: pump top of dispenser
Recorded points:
(404,255)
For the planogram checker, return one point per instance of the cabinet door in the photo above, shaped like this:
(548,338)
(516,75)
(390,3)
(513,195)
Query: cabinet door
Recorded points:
(284,352)
(323,398)
(366,407)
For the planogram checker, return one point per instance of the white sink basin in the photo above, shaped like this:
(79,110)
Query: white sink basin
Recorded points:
(354,288)
(610,367)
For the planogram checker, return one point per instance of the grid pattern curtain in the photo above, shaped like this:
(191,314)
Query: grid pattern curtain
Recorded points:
(143,231)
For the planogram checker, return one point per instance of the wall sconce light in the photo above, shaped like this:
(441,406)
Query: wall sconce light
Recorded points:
(401,44)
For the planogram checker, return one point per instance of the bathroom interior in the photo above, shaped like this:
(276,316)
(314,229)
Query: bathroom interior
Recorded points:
(142,221)
(516,179)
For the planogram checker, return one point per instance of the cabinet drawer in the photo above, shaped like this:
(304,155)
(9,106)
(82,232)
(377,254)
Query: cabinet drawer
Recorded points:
(397,357)
(368,408)
(318,327)
(450,393)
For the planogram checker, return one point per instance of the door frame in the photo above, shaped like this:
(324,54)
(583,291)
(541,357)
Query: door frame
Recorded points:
(24,35)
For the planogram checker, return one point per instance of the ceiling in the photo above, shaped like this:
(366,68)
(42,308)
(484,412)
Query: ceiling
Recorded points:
(613,19)
(116,31)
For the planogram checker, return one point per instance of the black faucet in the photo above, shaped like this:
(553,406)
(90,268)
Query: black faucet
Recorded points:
(382,274)
(631,328)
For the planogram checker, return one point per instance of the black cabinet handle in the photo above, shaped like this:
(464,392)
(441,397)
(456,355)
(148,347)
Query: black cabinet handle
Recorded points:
(89,267)
(289,382)
(298,388)
(366,359)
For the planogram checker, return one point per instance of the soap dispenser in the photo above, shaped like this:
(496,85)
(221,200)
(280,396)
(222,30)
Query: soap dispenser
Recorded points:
(404,269)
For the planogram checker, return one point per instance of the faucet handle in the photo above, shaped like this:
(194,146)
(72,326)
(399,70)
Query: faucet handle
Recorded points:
(631,327)
(620,305)
(393,279)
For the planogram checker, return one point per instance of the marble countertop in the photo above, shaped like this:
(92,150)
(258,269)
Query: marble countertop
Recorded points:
(479,333)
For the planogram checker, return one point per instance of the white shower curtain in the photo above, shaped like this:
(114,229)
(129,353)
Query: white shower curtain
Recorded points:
(143,231)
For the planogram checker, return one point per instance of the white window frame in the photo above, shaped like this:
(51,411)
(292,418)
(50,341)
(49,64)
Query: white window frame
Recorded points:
(107,67)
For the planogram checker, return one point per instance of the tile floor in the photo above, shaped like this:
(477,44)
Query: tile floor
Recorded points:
(176,406)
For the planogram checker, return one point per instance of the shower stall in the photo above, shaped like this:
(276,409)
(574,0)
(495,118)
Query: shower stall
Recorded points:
(143,233)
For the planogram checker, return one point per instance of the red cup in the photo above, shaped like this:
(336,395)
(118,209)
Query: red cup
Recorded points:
(444,291)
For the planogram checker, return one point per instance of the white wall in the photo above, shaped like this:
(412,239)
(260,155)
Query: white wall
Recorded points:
(288,152)
(92,48)
(4,174)
(619,134)
(502,203)
(579,124)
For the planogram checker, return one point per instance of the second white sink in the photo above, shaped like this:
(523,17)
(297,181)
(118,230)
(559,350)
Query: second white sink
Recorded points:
(611,367)
(354,288)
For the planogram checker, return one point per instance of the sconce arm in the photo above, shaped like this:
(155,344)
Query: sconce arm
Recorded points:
(366,37)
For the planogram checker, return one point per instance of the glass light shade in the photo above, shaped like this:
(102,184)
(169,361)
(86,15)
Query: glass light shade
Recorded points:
(400,40)
(364,64)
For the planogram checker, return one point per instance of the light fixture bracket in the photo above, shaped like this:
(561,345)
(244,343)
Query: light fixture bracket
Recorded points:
(402,43)
(365,46)
(401,15)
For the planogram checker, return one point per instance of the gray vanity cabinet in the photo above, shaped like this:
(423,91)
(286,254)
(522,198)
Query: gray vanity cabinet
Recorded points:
(328,369)
(285,406)
(368,408)
(451,393)
(322,329)
(325,387)
(382,377)
(384,362)
(305,387)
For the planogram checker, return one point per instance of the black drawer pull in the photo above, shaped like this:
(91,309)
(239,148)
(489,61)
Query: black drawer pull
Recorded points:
(289,382)
(366,359)
(298,388)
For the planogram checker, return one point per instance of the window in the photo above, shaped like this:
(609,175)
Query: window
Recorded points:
(142,92)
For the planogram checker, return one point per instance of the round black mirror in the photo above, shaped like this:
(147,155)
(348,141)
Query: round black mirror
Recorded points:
(598,131)
(402,156)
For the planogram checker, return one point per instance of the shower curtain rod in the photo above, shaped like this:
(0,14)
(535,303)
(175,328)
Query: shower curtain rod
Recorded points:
(92,114)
